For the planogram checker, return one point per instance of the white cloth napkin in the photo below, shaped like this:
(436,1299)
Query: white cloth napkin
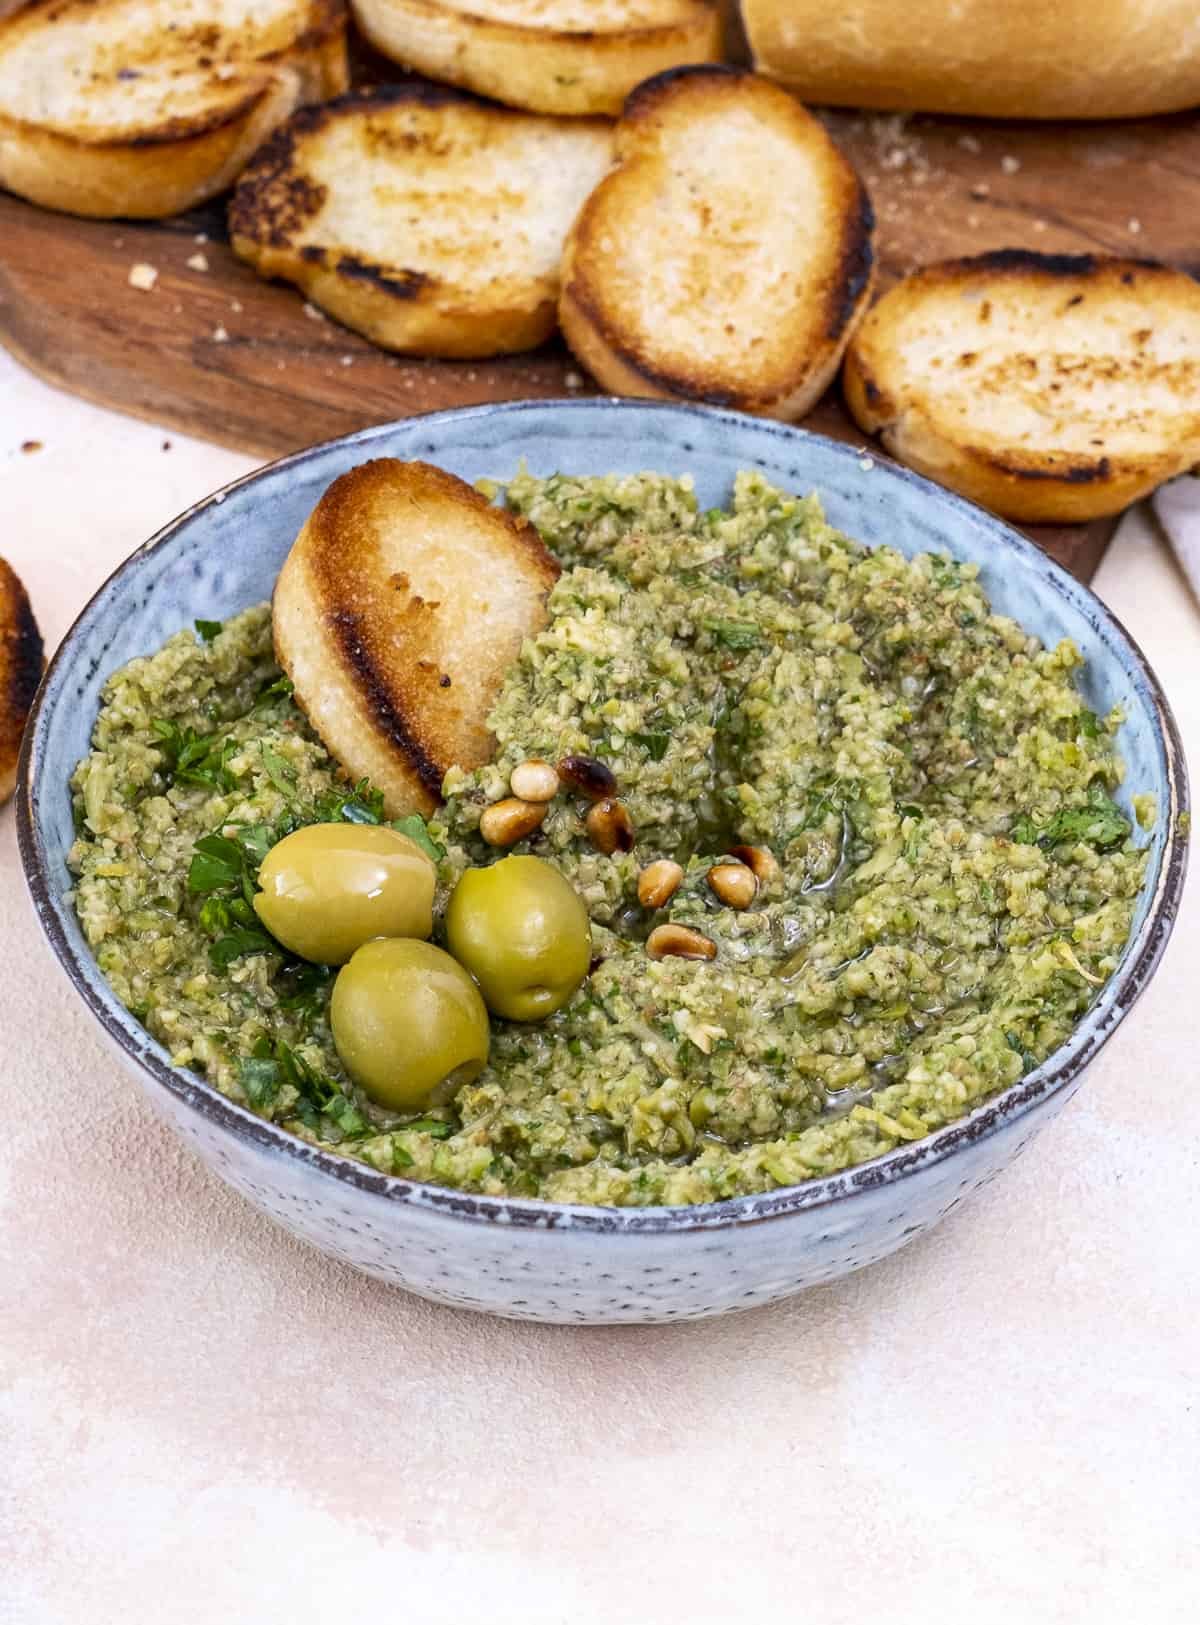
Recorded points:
(1178,508)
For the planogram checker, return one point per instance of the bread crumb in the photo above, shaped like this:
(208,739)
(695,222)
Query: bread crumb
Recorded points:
(220,336)
(200,237)
(28,446)
(142,276)
(347,361)
(1135,226)
(866,464)
(1009,164)
(973,221)
(219,498)
(1039,225)
(970,143)
(236,306)
(197,262)
(574,380)
(980,191)
(313,313)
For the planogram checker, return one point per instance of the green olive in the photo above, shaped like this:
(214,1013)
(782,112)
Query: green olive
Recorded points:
(408,1023)
(522,931)
(328,888)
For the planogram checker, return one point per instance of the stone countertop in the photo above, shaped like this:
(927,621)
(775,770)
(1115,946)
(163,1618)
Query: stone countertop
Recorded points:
(202,1420)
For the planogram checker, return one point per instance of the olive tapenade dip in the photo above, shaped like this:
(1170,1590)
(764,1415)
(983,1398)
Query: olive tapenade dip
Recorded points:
(846,839)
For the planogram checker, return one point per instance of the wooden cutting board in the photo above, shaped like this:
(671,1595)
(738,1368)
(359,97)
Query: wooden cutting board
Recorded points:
(213,351)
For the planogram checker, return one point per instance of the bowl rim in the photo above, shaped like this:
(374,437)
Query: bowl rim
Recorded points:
(1056,1074)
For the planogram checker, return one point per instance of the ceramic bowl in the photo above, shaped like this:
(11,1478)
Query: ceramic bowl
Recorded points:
(539,1260)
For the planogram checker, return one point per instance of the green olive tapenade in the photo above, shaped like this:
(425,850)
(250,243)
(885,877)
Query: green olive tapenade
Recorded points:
(942,880)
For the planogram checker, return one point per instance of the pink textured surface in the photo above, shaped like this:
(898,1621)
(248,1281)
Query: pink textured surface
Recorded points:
(200,1420)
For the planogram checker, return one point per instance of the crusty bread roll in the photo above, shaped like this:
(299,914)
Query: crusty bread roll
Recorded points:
(1077,59)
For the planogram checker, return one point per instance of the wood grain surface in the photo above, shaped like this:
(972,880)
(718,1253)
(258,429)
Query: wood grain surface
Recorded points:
(213,351)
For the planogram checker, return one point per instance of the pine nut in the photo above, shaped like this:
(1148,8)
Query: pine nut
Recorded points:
(609,828)
(758,860)
(658,883)
(590,776)
(534,780)
(679,942)
(506,822)
(733,883)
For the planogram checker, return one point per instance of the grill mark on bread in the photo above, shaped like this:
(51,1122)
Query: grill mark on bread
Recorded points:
(1069,473)
(388,720)
(399,283)
(856,266)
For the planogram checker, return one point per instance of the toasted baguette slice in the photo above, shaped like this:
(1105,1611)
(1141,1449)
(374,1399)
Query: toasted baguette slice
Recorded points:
(143,108)
(20,672)
(1046,387)
(402,604)
(421,216)
(727,258)
(550,56)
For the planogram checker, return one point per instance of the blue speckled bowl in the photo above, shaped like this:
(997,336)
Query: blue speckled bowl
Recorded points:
(542,1261)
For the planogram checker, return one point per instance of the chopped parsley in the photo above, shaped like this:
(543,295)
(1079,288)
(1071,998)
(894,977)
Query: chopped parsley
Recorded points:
(737,636)
(1098,821)
(415,827)
(192,758)
(208,629)
(319,1098)
(279,770)
(654,744)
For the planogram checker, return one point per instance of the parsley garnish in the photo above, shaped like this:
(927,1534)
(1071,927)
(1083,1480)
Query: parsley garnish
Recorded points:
(363,805)
(216,862)
(654,744)
(1028,1061)
(415,827)
(304,988)
(241,940)
(208,629)
(279,770)
(1099,822)
(224,871)
(192,758)
(270,1066)
(736,635)
(432,1126)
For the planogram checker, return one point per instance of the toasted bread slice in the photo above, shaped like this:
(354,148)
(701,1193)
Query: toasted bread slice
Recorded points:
(143,108)
(20,672)
(421,216)
(402,604)
(727,257)
(550,56)
(1048,387)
